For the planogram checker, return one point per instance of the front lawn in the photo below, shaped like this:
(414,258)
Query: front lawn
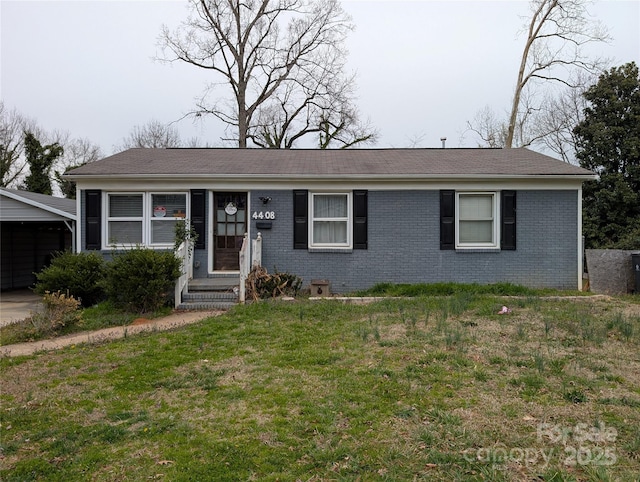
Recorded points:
(102,315)
(429,388)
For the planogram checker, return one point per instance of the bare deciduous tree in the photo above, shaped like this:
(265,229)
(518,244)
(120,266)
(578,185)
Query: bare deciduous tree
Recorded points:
(265,52)
(556,34)
(560,115)
(14,167)
(491,130)
(549,125)
(152,134)
(13,164)
(77,152)
(552,59)
(313,108)
(342,128)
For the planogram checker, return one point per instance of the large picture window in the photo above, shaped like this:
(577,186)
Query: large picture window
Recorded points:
(147,219)
(476,217)
(330,220)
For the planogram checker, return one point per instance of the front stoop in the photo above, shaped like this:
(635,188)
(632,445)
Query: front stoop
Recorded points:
(218,292)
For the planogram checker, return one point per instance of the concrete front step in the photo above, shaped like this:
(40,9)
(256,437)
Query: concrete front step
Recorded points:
(226,283)
(210,296)
(217,292)
(206,305)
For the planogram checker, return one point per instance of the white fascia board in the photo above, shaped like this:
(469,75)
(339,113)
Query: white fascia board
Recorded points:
(38,205)
(222,183)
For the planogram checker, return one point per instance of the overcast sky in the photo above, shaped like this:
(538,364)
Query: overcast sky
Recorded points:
(424,68)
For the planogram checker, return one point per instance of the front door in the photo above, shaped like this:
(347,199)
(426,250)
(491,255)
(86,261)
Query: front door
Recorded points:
(229,226)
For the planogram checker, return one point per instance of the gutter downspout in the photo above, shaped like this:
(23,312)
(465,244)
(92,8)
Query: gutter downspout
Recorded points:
(580,245)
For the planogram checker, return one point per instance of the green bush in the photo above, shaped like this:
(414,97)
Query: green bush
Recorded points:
(81,275)
(142,279)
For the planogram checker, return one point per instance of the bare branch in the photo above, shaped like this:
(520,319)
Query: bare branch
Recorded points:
(261,49)
(556,32)
(154,134)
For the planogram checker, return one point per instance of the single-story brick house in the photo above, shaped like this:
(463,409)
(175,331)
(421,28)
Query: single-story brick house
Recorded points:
(354,217)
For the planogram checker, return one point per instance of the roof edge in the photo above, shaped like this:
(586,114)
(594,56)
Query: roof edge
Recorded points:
(330,177)
(45,207)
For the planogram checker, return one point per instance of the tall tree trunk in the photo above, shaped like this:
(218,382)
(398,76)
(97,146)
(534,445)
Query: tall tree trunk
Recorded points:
(540,17)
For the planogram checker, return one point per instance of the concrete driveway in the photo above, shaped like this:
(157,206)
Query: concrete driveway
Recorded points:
(16,305)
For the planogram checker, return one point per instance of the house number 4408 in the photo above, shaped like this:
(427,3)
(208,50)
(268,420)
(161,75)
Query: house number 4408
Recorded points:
(264,215)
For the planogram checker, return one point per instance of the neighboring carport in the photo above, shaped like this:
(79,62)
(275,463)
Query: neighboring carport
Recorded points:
(32,227)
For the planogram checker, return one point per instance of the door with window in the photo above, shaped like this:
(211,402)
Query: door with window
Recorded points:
(229,226)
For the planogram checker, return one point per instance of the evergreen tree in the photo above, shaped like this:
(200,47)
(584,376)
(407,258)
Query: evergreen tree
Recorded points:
(40,160)
(67,187)
(608,143)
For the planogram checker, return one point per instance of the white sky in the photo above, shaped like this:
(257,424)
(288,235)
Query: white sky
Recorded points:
(424,68)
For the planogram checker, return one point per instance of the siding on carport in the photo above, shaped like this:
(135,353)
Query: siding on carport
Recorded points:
(13,210)
(31,234)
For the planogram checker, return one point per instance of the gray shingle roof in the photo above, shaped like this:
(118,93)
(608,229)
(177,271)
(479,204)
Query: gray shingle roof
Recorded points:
(48,203)
(327,163)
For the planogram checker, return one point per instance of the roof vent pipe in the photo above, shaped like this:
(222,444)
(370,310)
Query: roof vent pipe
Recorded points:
(444,141)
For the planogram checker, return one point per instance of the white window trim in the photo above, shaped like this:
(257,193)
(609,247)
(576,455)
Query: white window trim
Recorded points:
(348,219)
(152,218)
(495,244)
(106,241)
(145,219)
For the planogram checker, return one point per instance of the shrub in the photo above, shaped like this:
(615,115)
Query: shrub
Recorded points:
(81,275)
(142,279)
(60,311)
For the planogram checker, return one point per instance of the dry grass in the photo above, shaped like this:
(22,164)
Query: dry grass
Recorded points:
(422,389)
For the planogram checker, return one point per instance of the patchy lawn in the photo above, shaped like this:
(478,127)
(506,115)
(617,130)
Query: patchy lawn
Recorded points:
(430,388)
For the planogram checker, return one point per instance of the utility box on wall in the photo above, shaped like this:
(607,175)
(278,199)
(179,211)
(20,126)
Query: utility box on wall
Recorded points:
(320,287)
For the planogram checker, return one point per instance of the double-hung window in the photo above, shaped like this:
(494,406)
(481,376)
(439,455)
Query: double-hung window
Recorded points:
(165,211)
(147,219)
(125,214)
(330,220)
(477,220)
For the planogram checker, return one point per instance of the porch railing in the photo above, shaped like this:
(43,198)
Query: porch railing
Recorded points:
(248,261)
(244,268)
(256,251)
(184,254)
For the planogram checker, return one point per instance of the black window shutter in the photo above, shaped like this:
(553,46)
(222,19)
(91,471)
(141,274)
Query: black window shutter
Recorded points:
(300,222)
(198,216)
(360,219)
(93,222)
(447,219)
(508,221)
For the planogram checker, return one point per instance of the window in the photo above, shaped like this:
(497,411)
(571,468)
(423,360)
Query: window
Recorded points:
(330,220)
(147,219)
(124,219)
(476,217)
(165,211)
